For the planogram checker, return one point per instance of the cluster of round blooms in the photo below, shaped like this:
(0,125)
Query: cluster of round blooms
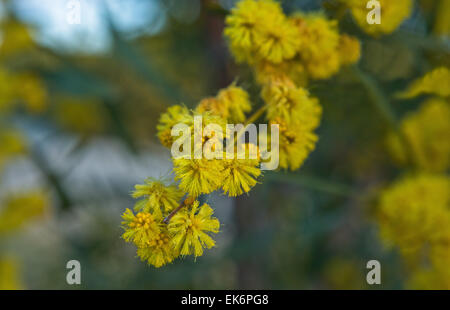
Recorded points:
(298,47)
(393,14)
(283,51)
(415,211)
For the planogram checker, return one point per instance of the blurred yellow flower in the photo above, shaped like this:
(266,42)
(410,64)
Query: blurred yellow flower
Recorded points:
(414,213)
(393,13)
(435,82)
(190,227)
(15,37)
(442,22)
(319,51)
(428,134)
(349,49)
(12,143)
(32,90)
(81,115)
(9,274)
(18,209)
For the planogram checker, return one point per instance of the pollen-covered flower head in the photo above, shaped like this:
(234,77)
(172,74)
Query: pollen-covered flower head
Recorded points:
(435,82)
(285,72)
(319,51)
(158,251)
(174,115)
(414,212)
(140,228)
(191,228)
(428,133)
(295,143)
(198,176)
(291,104)
(242,171)
(231,104)
(159,196)
(258,29)
(393,13)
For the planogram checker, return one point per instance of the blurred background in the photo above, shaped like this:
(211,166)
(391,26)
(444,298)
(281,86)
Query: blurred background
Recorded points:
(79,103)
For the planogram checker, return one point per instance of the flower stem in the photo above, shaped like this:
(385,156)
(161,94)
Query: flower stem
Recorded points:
(381,104)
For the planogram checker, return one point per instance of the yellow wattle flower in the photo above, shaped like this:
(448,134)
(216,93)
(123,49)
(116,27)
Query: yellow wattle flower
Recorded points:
(414,214)
(190,229)
(19,209)
(296,143)
(428,134)
(291,104)
(198,176)
(320,42)
(230,104)
(393,13)
(12,143)
(433,83)
(349,49)
(259,30)
(158,251)
(9,274)
(237,101)
(174,115)
(159,196)
(141,228)
(241,174)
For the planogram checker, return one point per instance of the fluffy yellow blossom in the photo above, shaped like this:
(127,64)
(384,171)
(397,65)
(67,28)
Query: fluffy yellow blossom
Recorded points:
(237,102)
(428,133)
(435,82)
(32,90)
(319,51)
(393,13)
(159,196)
(258,29)
(141,228)
(349,49)
(414,213)
(9,275)
(12,143)
(296,142)
(231,104)
(292,104)
(241,174)
(158,251)
(190,229)
(18,209)
(170,118)
(198,176)
(277,40)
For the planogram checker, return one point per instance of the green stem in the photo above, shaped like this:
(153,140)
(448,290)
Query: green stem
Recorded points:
(312,183)
(381,104)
